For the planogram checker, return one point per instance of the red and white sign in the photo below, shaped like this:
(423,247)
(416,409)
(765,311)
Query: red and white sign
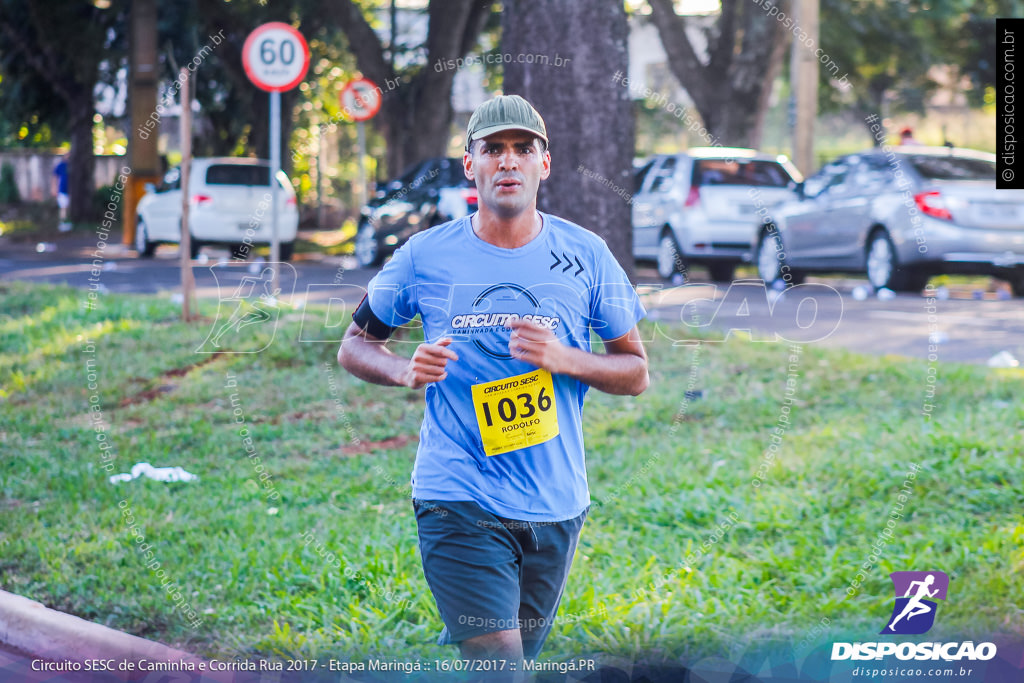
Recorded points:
(360,99)
(275,57)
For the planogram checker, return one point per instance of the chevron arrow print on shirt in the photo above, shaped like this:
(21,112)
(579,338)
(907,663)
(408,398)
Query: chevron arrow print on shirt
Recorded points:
(568,263)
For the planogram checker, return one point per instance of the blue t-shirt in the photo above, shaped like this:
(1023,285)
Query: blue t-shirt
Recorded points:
(465,288)
(61,171)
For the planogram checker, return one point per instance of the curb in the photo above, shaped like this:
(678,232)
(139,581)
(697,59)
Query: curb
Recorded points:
(31,626)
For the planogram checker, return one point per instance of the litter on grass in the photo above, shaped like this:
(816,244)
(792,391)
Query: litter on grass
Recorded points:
(144,469)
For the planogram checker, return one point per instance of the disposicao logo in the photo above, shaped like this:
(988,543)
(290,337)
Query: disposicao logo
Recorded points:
(914,614)
(914,611)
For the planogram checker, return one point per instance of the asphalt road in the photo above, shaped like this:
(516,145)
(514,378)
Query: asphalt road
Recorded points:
(825,312)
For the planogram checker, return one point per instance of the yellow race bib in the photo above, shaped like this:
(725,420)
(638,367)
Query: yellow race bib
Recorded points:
(516,412)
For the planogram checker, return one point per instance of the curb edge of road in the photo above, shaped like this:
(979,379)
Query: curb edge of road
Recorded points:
(46,633)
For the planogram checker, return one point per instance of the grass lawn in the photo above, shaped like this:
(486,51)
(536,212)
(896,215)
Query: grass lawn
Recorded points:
(683,556)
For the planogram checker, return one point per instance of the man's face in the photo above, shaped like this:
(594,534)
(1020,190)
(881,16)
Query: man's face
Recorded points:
(507,168)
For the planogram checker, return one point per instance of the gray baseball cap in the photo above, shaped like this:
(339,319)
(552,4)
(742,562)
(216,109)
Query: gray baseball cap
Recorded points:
(505,112)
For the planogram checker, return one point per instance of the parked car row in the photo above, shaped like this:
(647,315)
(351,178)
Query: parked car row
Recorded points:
(898,215)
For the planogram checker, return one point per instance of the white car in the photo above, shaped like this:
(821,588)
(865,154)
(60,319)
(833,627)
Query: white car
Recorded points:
(697,207)
(230,204)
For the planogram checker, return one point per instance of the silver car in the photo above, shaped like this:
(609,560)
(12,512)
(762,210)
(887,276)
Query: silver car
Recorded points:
(696,208)
(899,216)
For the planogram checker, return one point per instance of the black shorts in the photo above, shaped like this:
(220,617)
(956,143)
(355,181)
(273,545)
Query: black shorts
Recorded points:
(490,573)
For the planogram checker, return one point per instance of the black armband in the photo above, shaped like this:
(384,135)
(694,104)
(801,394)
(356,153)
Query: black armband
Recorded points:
(369,322)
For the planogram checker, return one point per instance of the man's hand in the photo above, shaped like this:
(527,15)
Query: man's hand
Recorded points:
(622,369)
(428,364)
(538,346)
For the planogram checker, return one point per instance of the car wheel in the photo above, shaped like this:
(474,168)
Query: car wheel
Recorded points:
(722,272)
(670,260)
(240,252)
(771,260)
(286,250)
(884,270)
(194,246)
(367,247)
(143,246)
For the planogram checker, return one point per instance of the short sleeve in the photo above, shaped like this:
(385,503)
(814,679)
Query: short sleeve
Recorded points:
(614,305)
(391,293)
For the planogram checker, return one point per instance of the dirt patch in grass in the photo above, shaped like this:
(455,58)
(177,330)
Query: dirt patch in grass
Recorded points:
(390,443)
(167,387)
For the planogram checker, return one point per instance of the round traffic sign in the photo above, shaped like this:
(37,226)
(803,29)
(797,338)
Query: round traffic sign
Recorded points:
(360,99)
(275,57)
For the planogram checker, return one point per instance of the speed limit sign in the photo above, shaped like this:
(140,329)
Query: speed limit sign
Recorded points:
(275,57)
(361,99)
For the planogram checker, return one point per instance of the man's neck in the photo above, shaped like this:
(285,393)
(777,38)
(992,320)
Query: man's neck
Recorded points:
(507,233)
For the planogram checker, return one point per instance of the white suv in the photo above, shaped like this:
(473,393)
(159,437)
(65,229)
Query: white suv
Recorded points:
(230,204)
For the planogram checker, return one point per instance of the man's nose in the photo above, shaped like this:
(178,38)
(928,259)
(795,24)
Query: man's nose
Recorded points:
(508,160)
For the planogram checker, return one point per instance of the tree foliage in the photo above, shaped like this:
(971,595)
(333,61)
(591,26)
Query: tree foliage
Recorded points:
(889,49)
(731,80)
(51,56)
(416,110)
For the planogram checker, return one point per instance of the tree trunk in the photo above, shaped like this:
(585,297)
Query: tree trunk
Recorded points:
(731,84)
(81,162)
(588,115)
(423,108)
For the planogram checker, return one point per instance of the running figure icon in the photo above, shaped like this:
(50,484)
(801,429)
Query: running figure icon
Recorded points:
(250,312)
(914,606)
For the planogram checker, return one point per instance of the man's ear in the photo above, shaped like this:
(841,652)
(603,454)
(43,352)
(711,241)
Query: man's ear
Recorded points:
(545,162)
(467,165)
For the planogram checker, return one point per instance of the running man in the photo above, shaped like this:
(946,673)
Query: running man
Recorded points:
(249,312)
(914,606)
(508,297)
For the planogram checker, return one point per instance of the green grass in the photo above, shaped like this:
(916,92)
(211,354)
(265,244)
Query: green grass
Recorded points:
(664,475)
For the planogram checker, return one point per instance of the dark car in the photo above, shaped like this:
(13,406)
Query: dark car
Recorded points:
(427,194)
(899,217)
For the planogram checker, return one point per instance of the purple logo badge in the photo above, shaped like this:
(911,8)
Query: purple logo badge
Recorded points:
(914,611)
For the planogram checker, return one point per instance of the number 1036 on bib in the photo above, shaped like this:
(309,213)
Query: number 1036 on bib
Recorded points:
(516,412)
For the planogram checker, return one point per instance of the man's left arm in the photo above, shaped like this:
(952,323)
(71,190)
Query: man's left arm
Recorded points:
(622,369)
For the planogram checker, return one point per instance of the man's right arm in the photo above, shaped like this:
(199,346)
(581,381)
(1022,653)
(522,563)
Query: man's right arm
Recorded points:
(368,358)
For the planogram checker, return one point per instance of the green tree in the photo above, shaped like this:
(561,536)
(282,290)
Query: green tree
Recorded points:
(889,48)
(416,110)
(731,80)
(51,55)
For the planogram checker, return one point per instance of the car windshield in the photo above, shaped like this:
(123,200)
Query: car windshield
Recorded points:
(237,174)
(953,168)
(739,172)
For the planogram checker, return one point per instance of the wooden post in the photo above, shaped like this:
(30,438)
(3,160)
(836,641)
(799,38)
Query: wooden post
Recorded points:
(143,155)
(188,283)
(804,83)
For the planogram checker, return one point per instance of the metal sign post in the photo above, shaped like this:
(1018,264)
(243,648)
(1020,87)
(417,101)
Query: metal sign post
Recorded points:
(275,168)
(276,58)
(361,138)
(360,99)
